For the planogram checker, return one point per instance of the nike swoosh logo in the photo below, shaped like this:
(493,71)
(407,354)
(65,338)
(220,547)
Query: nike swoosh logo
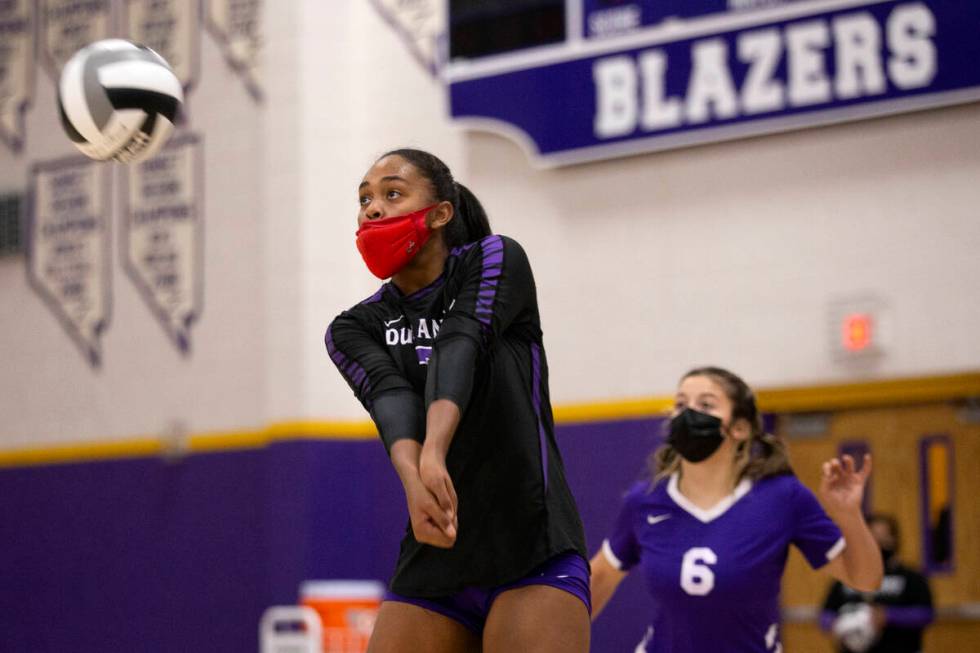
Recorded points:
(656,520)
(388,324)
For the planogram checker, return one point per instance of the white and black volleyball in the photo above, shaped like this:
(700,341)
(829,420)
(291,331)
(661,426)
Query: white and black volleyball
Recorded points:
(118,100)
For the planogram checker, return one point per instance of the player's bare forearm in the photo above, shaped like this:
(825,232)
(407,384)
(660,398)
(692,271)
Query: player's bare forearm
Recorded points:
(405,456)
(441,421)
(604,580)
(440,427)
(430,524)
(842,491)
(861,558)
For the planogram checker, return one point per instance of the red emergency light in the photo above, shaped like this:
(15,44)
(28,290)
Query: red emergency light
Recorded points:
(857,332)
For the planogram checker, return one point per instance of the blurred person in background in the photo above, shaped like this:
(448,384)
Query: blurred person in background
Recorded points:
(889,620)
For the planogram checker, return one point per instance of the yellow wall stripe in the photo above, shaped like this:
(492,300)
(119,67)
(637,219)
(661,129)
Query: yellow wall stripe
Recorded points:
(612,410)
(784,400)
(132,448)
(870,394)
(200,443)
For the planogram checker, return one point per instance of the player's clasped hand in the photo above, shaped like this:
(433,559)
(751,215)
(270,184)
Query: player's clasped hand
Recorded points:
(435,478)
(842,485)
(430,523)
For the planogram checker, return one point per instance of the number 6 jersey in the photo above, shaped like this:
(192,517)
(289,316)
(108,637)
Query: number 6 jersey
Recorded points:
(715,574)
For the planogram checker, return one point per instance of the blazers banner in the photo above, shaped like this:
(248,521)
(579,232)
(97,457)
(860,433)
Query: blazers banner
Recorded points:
(647,76)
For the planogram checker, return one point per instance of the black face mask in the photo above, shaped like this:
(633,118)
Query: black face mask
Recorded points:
(695,435)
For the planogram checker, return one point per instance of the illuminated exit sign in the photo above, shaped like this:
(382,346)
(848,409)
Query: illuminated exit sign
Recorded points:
(858,328)
(857,332)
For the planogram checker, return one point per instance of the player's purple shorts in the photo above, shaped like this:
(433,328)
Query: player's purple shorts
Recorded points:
(470,607)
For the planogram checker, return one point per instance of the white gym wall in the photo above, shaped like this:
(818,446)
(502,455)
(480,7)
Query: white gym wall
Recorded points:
(727,254)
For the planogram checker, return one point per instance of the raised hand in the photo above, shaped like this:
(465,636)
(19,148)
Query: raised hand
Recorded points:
(842,485)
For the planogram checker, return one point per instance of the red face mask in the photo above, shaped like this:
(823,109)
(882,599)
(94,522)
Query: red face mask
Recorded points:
(387,245)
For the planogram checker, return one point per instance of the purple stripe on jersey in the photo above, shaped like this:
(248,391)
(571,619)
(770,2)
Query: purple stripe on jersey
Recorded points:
(909,617)
(357,373)
(536,400)
(493,262)
(349,368)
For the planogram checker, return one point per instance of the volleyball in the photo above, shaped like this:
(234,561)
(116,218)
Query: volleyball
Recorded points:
(118,100)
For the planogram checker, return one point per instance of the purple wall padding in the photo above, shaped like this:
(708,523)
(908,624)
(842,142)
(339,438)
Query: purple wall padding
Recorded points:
(602,461)
(148,555)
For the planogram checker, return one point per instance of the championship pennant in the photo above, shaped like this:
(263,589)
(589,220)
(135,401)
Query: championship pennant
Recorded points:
(162,235)
(68,252)
(69,25)
(171,28)
(237,26)
(16,69)
(421,25)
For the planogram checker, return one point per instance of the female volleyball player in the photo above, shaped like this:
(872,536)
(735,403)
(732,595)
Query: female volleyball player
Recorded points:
(447,357)
(711,531)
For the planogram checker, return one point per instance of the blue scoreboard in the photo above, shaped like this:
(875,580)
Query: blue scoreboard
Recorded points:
(581,80)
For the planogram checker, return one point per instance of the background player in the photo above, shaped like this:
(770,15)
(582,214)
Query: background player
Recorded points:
(448,359)
(711,531)
(896,614)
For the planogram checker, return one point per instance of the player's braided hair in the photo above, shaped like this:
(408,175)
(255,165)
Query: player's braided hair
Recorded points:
(470,222)
(763,454)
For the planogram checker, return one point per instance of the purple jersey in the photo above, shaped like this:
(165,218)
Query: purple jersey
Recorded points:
(715,574)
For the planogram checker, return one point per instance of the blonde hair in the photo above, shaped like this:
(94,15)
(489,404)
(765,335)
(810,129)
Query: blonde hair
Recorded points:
(762,455)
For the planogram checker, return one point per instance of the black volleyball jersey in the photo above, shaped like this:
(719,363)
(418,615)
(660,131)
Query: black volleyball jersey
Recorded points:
(472,336)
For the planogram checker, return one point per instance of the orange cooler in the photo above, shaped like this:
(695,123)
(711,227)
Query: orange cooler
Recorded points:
(347,608)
